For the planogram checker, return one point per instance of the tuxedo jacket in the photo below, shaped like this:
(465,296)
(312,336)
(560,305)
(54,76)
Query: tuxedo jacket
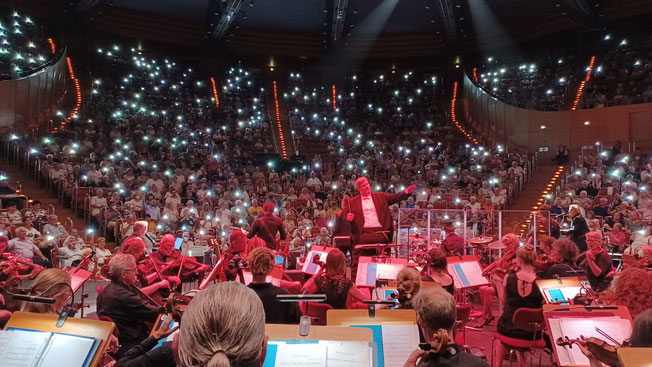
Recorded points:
(382,201)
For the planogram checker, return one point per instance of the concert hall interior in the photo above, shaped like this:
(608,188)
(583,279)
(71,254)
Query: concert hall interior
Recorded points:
(335,183)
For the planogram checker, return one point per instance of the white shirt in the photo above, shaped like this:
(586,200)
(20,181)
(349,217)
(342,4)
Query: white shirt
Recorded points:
(369,213)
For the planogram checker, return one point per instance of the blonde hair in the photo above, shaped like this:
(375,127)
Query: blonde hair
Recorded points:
(51,283)
(527,255)
(512,239)
(224,325)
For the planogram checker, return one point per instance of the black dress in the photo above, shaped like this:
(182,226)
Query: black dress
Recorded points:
(578,232)
(513,302)
(336,289)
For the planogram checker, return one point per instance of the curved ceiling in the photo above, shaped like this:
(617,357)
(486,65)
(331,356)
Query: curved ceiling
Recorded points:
(368,28)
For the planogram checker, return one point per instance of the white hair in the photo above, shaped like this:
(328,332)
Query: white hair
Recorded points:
(119,263)
(224,325)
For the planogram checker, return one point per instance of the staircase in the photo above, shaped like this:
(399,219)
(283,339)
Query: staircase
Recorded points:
(33,191)
(280,120)
(534,188)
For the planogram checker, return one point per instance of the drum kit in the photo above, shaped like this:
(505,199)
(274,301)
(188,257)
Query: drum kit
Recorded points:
(418,246)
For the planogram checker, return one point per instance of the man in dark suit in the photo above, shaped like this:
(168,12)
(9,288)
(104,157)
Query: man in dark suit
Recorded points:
(267,226)
(372,222)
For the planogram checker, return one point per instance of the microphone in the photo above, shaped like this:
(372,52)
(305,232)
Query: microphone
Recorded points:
(558,278)
(36,299)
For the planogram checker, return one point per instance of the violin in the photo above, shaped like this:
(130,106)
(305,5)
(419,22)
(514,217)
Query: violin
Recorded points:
(599,348)
(594,254)
(14,266)
(503,266)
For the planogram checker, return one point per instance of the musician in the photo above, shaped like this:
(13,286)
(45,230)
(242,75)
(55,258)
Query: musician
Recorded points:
(487,293)
(168,260)
(138,233)
(268,226)
(521,292)
(261,262)
(408,285)
(52,283)
(579,227)
(237,250)
(119,301)
(564,251)
(631,288)
(453,244)
(641,337)
(333,282)
(437,272)
(596,263)
(372,221)
(436,315)
(224,325)
(145,354)
(22,246)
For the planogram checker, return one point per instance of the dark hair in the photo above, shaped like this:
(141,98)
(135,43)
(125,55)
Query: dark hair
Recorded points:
(268,207)
(437,259)
(566,248)
(642,332)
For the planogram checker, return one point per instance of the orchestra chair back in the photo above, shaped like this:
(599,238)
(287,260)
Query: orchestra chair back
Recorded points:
(528,319)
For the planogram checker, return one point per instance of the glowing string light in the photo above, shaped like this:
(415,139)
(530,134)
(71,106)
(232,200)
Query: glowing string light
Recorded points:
(583,84)
(217,100)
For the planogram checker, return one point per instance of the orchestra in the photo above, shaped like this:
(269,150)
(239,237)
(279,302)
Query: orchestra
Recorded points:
(141,281)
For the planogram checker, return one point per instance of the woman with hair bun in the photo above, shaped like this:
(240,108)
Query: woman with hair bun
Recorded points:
(223,326)
(520,292)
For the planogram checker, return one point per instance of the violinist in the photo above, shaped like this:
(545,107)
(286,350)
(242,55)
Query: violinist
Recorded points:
(564,252)
(487,293)
(596,262)
(119,301)
(169,260)
(135,247)
(641,338)
(52,283)
(520,292)
(261,262)
(234,256)
(544,255)
(436,270)
(334,283)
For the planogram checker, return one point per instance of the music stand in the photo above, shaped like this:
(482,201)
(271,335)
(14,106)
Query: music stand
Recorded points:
(466,272)
(370,270)
(78,278)
(560,289)
(559,317)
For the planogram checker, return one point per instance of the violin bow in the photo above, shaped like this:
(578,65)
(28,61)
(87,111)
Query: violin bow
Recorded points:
(155,266)
(183,258)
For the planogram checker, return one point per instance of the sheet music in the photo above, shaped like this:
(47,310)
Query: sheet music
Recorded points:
(301,355)
(399,341)
(572,327)
(349,354)
(467,274)
(23,347)
(66,350)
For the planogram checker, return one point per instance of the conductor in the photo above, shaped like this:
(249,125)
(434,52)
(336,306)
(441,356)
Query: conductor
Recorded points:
(372,222)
